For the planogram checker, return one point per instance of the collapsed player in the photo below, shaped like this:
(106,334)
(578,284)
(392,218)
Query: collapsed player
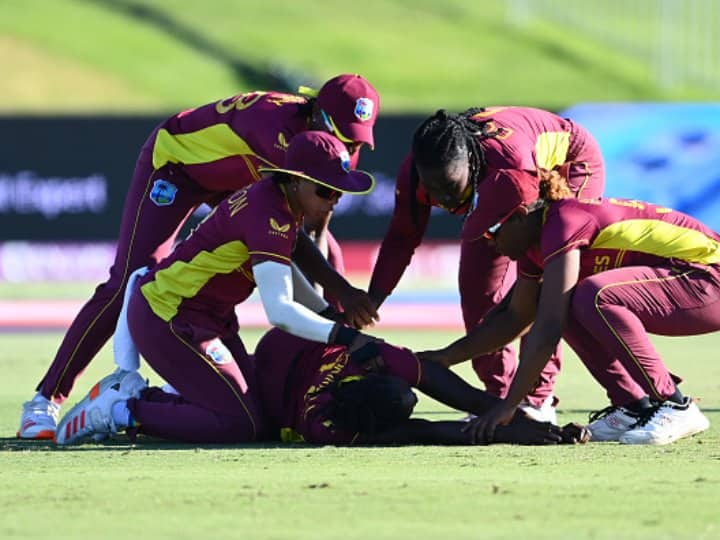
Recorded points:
(315,393)
(452,155)
(601,274)
(200,156)
(182,318)
(322,394)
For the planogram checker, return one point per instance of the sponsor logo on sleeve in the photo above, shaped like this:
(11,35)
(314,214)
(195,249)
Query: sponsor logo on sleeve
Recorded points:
(163,192)
(364,108)
(278,230)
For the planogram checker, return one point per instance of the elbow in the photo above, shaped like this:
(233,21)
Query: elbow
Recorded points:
(277,318)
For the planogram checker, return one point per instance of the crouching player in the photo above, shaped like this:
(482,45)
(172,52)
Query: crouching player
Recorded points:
(602,274)
(317,393)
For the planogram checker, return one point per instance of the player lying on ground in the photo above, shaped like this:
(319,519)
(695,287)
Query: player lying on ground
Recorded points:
(601,274)
(453,154)
(200,156)
(182,315)
(317,393)
(321,394)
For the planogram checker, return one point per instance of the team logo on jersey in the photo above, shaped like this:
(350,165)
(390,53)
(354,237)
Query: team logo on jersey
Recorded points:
(217,352)
(345,161)
(163,192)
(364,108)
(281,143)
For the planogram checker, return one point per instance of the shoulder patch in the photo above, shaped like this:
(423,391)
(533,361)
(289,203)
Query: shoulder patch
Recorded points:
(163,192)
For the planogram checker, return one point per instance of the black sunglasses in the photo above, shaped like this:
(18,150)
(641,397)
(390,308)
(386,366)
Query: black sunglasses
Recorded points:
(327,193)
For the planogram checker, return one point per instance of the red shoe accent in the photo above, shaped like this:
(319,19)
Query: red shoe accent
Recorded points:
(94,391)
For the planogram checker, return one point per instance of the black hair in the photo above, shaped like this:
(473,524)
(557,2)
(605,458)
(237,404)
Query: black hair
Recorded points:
(445,138)
(371,403)
(280,178)
(305,110)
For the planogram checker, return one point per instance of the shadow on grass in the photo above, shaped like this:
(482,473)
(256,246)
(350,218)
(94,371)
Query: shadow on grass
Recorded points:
(12,444)
(275,77)
(142,444)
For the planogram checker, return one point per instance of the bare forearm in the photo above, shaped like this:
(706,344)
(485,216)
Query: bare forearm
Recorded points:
(419,431)
(497,330)
(309,259)
(446,387)
(538,346)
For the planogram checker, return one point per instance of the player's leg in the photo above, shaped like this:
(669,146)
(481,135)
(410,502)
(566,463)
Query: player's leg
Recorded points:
(628,400)
(484,279)
(214,377)
(145,227)
(620,306)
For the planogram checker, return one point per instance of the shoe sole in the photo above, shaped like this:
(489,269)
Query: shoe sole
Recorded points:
(44,435)
(658,442)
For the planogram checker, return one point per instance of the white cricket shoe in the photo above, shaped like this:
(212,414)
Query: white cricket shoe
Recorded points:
(610,423)
(670,422)
(92,417)
(544,413)
(38,419)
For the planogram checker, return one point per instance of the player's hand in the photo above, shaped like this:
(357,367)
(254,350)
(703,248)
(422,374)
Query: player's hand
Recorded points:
(575,434)
(524,430)
(482,428)
(438,357)
(359,309)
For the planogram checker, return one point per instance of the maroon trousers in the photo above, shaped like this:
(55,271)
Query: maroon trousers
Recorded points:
(147,235)
(213,374)
(612,313)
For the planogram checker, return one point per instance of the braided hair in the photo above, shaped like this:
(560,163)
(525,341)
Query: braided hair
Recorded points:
(445,138)
(371,403)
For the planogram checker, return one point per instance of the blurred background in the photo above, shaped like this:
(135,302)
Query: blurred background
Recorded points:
(84,81)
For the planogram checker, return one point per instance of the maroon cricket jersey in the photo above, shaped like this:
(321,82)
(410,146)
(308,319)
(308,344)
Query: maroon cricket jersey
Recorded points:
(524,138)
(295,376)
(612,233)
(210,272)
(221,145)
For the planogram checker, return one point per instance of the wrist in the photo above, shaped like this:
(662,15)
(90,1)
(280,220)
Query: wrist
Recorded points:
(377,297)
(331,313)
(342,335)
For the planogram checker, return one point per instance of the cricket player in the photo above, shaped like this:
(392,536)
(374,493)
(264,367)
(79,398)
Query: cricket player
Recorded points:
(200,156)
(601,274)
(452,155)
(182,316)
(321,394)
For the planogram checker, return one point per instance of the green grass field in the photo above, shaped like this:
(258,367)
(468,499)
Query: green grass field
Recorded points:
(164,490)
(165,55)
